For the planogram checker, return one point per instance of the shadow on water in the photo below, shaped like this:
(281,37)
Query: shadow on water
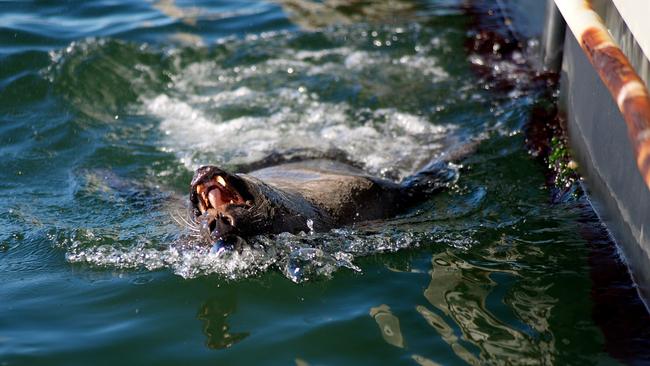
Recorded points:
(618,309)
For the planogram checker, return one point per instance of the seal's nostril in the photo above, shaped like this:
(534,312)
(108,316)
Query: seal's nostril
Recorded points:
(229,220)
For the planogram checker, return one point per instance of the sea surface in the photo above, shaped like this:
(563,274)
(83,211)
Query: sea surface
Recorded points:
(107,107)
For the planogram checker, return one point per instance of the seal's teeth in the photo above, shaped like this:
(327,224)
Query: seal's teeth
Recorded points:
(221,181)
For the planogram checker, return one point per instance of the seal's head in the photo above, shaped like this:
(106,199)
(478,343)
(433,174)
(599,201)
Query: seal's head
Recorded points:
(220,202)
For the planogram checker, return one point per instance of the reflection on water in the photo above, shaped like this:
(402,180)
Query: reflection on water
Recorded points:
(170,9)
(461,292)
(214,314)
(301,362)
(423,361)
(447,334)
(388,325)
(312,15)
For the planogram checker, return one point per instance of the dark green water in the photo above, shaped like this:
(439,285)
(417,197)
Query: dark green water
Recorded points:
(105,109)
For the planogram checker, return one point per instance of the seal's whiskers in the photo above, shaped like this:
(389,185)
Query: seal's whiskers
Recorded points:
(183,222)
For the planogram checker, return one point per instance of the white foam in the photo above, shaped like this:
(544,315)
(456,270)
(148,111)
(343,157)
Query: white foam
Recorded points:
(358,59)
(197,132)
(185,262)
(427,65)
(390,139)
(281,113)
(320,54)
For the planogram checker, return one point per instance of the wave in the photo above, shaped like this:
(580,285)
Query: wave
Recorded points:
(379,94)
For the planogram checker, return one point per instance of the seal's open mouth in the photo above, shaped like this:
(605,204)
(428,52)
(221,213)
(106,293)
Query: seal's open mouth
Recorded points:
(215,194)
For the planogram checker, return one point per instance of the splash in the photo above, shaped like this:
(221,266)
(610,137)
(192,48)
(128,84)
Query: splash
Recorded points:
(357,90)
(136,243)
(300,257)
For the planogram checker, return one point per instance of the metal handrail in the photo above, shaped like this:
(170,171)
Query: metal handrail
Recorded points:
(616,71)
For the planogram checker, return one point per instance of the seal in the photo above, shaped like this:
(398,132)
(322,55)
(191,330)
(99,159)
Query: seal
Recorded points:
(314,195)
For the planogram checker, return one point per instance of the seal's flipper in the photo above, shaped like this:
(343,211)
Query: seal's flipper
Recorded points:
(441,172)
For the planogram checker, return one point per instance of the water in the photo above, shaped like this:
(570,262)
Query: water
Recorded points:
(107,107)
